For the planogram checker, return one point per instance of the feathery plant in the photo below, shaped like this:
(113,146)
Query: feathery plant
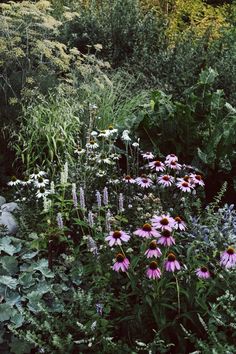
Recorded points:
(48,132)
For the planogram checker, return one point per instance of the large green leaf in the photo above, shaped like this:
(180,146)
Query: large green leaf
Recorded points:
(8,281)
(42,267)
(5,312)
(5,246)
(9,263)
(18,346)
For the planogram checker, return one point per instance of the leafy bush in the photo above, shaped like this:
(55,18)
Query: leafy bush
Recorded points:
(199,128)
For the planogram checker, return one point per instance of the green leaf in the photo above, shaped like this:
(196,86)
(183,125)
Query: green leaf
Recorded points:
(19,346)
(8,281)
(42,266)
(202,155)
(9,263)
(208,76)
(12,297)
(6,247)
(30,255)
(16,318)
(5,312)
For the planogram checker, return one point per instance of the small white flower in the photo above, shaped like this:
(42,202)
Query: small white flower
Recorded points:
(100,173)
(41,182)
(94,133)
(79,151)
(135,144)
(42,192)
(38,174)
(92,145)
(14,181)
(125,135)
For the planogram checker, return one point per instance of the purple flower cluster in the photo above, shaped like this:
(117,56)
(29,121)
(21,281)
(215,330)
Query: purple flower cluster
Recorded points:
(187,183)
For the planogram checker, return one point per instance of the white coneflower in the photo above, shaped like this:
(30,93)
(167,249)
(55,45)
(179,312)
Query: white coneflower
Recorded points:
(42,192)
(41,182)
(81,198)
(74,195)
(14,181)
(99,199)
(121,202)
(60,221)
(92,145)
(107,221)
(105,196)
(90,219)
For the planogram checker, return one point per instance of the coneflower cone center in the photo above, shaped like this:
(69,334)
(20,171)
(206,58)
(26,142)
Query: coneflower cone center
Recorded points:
(171,257)
(185,184)
(166,233)
(166,178)
(186,178)
(128,177)
(147,227)
(164,221)
(120,258)
(117,234)
(204,269)
(198,177)
(40,179)
(178,219)
(153,245)
(153,265)
(230,250)
(42,190)
(13,179)
(157,163)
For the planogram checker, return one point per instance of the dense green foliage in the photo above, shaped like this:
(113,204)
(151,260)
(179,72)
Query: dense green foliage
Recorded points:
(86,87)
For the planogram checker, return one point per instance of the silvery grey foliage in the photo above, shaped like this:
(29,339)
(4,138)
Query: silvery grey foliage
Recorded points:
(218,228)
(10,207)
(8,220)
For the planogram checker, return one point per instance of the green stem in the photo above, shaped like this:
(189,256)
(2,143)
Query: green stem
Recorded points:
(178,293)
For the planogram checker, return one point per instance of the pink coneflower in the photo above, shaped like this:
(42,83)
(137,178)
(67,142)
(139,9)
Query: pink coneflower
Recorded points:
(147,231)
(186,178)
(165,180)
(173,165)
(122,263)
(148,156)
(153,272)
(153,250)
(179,224)
(163,222)
(197,179)
(158,166)
(115,238)
(171,157)
(129,179)
(171,263)
(144,181)
(184,186)
(203,273)
(228,258)
(166,239)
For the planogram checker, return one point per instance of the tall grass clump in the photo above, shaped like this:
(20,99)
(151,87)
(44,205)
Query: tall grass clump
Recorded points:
(47,133)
